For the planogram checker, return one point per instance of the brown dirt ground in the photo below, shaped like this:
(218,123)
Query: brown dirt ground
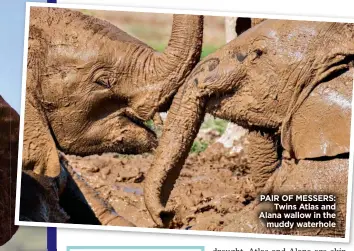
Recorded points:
(213,185)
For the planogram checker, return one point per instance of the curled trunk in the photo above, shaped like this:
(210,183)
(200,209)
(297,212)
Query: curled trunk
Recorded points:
(182,125)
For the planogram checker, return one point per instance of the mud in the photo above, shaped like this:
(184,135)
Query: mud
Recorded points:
(213,185)
(231,84)
(104,120)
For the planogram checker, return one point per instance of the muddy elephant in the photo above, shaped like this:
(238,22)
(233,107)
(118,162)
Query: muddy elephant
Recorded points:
(9,129)
(90,87)
(290,84)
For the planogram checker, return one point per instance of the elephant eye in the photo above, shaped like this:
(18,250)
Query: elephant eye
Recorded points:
(255,54)
(258,52)
(104,82)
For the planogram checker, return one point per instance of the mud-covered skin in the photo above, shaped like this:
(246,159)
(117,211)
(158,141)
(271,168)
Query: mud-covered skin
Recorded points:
(263,158)
(9,128)
(291,178)
(90,86)
(64,199)
(85,68)
(213,186)
(270,79)
(87,199)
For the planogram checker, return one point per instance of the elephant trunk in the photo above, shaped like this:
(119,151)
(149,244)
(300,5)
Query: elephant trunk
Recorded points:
(181,55)
(182,124)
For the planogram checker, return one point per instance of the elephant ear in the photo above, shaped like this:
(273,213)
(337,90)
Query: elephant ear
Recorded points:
(321,124)
(40,154)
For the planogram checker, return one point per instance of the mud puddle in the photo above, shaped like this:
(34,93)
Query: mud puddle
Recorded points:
(213,185)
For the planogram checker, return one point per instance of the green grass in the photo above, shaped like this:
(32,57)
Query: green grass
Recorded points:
(150,124)
(216,124)
(207,49)
(199,146)
(88,12)
(211,123)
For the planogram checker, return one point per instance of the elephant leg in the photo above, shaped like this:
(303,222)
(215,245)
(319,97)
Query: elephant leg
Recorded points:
(317,177)
(262,157)
(304,177)
(40,199)
(83,204)
(75,204)
(261,148)
(263,161)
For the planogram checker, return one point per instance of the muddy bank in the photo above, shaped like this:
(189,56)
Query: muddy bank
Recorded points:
(213,185)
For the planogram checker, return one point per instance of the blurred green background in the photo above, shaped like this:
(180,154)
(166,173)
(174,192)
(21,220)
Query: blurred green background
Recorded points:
(154,29)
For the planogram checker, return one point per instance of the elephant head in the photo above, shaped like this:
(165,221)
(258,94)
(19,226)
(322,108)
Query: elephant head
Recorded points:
(9,125)
(90,86)
(287,78)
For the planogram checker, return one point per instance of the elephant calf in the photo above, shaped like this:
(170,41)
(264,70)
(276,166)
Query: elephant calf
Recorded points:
(90,86)
(39,198)
(290,84)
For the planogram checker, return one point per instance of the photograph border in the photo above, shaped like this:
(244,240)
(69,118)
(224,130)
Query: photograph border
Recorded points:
(346,239)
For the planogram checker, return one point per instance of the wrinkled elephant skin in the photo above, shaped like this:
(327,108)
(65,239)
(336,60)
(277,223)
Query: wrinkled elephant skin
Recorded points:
(292,179)
(277,80)
(67,191)
(90,86)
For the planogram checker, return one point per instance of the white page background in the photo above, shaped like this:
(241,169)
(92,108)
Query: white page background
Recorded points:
(75,237)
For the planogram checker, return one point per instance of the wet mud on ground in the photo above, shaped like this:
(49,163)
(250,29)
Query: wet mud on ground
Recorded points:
(213,185)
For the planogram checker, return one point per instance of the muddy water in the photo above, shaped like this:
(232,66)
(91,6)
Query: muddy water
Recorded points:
(213,185)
